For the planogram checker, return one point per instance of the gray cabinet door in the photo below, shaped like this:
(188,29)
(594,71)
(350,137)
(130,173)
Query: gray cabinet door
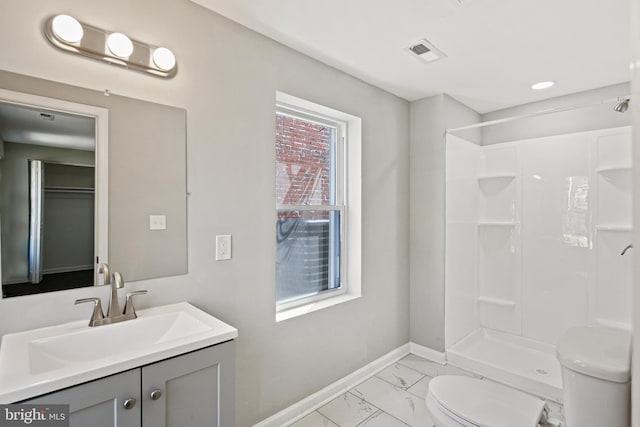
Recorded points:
(196,389)
(100,403)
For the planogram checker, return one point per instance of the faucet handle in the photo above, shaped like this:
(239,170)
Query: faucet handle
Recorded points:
(128,305)
(97,314)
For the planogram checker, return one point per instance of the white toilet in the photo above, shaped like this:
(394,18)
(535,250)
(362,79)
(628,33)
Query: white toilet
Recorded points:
(596,375)
(456,401)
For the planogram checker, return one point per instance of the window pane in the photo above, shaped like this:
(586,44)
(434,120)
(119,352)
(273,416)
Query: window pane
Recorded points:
(308,253)
(305,162)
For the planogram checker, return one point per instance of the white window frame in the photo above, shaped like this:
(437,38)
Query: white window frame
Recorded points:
(339,205)
(348,201)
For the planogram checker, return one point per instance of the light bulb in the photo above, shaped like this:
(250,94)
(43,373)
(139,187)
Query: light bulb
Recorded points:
(120,45)
(164,58)
(67,28)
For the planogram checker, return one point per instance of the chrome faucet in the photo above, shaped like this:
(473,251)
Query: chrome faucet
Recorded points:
(114,314)
(113,309)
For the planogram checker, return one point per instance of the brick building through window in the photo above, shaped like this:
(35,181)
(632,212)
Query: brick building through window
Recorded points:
(302,161)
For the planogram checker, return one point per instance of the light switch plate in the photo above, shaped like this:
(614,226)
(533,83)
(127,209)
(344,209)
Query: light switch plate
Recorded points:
(223,247)
(157,222)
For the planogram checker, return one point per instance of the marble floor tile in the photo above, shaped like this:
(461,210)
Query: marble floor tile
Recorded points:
(419,364)
(347,410)
(394,397)
(382,419)
(421,388)
(395,401)
(400,375)
(314,419)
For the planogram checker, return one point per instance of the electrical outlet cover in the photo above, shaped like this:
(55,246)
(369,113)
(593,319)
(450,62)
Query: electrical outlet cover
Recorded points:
(223,247)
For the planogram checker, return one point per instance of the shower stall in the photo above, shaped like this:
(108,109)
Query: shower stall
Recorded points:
(536,220)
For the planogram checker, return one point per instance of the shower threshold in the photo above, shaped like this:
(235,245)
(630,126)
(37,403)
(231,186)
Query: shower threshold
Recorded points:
(523,363)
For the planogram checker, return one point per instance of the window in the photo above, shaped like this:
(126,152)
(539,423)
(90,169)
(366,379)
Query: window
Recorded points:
(313,210)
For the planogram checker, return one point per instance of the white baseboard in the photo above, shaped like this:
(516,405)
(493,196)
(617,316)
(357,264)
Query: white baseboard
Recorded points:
(309,404)
(428,353)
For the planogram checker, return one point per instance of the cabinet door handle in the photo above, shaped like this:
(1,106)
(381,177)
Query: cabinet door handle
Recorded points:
(156,394)
(129,403)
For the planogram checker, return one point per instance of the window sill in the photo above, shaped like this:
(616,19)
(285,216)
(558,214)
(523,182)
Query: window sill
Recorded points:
(314,306)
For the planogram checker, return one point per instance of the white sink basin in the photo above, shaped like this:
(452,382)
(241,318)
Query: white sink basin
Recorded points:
(43,360)
(91,345)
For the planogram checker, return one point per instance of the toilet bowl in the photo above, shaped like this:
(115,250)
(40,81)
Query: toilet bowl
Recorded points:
(456,401)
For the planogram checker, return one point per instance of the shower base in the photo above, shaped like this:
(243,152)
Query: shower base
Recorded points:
(523,363)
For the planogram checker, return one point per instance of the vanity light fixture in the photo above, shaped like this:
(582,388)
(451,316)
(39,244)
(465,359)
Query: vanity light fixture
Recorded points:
(68,34)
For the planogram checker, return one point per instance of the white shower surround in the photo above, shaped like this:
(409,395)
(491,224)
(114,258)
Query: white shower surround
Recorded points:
(534,233)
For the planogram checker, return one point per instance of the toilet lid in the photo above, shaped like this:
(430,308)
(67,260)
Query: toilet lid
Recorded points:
(484,403)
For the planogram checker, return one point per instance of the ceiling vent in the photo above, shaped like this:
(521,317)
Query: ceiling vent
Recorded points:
(426,51)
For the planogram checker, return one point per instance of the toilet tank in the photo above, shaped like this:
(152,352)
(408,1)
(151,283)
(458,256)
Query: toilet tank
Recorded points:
(596,367)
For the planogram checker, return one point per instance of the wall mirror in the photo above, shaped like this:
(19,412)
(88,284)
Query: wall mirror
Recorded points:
(53,193)
(81,174)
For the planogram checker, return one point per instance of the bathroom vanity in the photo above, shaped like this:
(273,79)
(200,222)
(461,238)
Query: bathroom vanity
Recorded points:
(172,366)
(195,389)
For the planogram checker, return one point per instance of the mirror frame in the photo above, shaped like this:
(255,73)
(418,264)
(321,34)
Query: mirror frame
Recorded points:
(101,117)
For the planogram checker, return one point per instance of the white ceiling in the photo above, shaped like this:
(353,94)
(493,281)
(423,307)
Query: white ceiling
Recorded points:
(496,48)
(26,125)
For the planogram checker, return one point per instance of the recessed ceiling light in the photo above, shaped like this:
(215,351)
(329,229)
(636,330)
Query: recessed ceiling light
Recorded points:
(542,85)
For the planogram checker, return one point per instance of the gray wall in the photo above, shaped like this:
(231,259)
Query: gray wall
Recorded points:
(429,119)
(227,81)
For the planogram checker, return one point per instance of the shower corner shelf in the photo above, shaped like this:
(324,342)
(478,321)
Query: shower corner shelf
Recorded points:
(613,324)
(496,301)
(614,169)
(612,227)
(497,176)
(497,223)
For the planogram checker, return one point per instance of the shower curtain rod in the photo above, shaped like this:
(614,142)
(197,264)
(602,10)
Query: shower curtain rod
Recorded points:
(538,113)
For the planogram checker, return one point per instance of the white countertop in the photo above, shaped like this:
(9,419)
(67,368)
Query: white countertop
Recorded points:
(26,370)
